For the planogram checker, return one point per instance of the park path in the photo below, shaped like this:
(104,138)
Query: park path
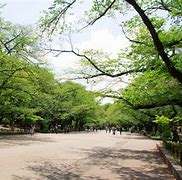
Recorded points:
(81,156)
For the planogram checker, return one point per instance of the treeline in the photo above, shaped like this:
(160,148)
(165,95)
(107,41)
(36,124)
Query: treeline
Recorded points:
(29,93)
(151,102)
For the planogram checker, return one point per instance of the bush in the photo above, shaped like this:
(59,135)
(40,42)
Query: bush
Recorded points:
(5,121)
(164,123)
(175,149)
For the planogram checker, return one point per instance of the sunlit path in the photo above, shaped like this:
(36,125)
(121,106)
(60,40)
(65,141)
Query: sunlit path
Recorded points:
(97,156)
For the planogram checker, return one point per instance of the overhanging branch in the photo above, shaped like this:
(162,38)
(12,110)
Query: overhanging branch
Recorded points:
(58,16)
(100,15)
(102,72)
(157,42)
(132,40)
(145,106)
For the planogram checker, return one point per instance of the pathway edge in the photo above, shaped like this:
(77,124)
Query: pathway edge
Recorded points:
(175,168)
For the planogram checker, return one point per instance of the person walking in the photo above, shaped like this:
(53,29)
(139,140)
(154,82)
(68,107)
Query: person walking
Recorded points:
(56,128)
(109,129)
(106,129)
(32,129)
(120,130)
(113,130)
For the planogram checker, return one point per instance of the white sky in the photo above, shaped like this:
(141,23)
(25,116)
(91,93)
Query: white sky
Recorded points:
(24,11)
(104,35)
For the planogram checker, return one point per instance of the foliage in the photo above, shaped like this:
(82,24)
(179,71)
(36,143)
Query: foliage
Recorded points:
(146,31)
(153,57)
(153,89)
(21,41)
(175,150)
(29,93)
(162,120)
(164,123)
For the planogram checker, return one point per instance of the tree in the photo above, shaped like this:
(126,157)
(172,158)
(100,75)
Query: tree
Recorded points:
(29,92)
(21,41)
(19,89)
(57,13)
(154,93)
(153,89)
(153,58)
(77,106)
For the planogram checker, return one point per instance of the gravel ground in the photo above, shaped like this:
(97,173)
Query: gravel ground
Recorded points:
(81,156)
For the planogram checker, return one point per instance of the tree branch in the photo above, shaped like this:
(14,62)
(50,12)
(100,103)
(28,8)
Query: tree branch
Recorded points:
(154,105)
(60,14)
(16,36)
(164,6)
(19,89)
(5,44)
(102,72)
(5,81)
(100,15)
(6,47)
(174,43)
(158,44)
(131,40)
(146,106)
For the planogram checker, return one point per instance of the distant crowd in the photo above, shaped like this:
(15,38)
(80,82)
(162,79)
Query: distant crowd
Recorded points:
(113,129)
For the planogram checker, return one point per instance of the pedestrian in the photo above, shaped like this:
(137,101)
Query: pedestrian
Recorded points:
(109,129)
(113,130)
(32,129)
(106,129)
(56,128)
(120,130)
(65,129)
(52,128)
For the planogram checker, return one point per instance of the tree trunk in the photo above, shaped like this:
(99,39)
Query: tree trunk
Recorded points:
(158,44)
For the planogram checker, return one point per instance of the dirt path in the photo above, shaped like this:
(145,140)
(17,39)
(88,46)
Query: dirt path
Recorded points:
(84,156)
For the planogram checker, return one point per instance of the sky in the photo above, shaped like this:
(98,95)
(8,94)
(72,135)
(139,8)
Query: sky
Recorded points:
(24,11)
(104,35)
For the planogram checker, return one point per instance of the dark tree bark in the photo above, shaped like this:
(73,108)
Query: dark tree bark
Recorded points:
(158,44)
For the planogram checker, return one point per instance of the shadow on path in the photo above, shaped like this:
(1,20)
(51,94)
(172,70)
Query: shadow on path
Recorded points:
(130,164)
(11,140)
(127,135)
(104,164)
